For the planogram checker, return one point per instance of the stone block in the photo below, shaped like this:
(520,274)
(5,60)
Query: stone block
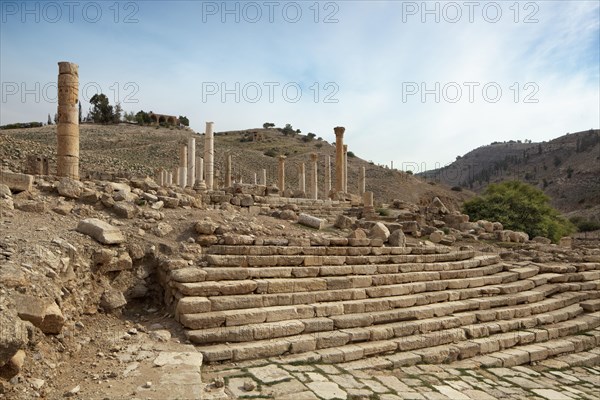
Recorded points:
(101,231)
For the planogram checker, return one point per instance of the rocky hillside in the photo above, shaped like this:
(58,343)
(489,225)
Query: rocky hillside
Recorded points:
(566,168)
(130,150)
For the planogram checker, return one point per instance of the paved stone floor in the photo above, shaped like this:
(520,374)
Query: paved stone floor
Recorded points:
(423,382)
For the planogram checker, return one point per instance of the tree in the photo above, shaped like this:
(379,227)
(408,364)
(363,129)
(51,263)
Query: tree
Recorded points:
(288,129)
(116,118)
(49,120)
(80,112)
(102,111)
(143,117)
(268,125)
(55,118)
(184,120)
(521,207)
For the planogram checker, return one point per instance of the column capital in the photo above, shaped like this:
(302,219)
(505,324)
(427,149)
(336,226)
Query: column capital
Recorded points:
(282,157)
(339,131)
(314,157)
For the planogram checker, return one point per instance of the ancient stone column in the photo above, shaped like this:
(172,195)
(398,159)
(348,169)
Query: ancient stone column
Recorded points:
(255,179)
(263,180)
(302,178)
(368,199)
(281,174)
(209,154)
(200,184)
(339,158)
(314,178)
(67,129)
(169,178)
(183,162)
(361,181)
(176,176)
(182,171)
(161,177)
(191,162)
(228,172)
(328,176)
(345,168)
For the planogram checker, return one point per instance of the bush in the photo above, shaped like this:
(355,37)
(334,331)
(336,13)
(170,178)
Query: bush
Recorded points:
(456,189)
(520,207)
(584,225)
(351,154)
(270,153)
(20,125)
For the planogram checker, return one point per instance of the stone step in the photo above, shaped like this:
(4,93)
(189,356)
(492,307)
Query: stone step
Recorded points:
(447,270)
(337,347)
(220,260)
(323,246)
(591,305)
(383,285)
(223,327)
(461,355)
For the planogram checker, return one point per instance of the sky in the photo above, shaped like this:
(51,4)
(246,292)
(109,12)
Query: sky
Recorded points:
(416,83)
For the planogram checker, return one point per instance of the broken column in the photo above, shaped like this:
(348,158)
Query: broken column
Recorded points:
(67,129)
(191,162)
(228,172)
(182,170)
(361,181)
(281,172)
(37,164)
(263,180)
(209,154)
(339,158)
(169,178)
(314,187)
(199,184)
(302,178)
(368,209)
(255,179)
(345,168)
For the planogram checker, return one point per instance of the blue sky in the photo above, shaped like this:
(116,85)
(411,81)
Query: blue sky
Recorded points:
(390,72)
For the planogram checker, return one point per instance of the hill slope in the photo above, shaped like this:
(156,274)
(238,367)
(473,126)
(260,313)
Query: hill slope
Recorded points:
(127,150)
(567,169)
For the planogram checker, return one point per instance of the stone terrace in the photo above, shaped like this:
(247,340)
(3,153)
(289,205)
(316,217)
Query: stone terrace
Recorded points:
(361,305)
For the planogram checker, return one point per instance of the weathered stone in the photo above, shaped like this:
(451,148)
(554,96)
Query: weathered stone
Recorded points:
(343,222)
(13,335)
(566,242)
(68,187)
(436,236)
(125,209)
(358,234)
(379,231)
(310,221)
(112,299)
(288,215)
(13,366)
(162,229)
(5,190)
(101,231)
(397,239)
(43,313)
(16,182)
(206,227)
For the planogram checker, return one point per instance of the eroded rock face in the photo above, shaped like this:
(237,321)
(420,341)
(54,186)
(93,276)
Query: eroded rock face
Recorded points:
(13,335)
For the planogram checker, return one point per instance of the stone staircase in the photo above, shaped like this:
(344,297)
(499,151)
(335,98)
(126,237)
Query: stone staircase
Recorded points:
(356,302)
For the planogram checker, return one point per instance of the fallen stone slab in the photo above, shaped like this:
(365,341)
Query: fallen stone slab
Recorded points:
(102,231)
(16,182)
(310,221)
(42,312)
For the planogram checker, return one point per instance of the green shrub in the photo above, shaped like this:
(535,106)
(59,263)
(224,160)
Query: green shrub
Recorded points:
(456,189)
(521,207)
(270,153)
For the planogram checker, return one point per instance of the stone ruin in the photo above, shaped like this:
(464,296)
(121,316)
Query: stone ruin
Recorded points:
(367,294)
